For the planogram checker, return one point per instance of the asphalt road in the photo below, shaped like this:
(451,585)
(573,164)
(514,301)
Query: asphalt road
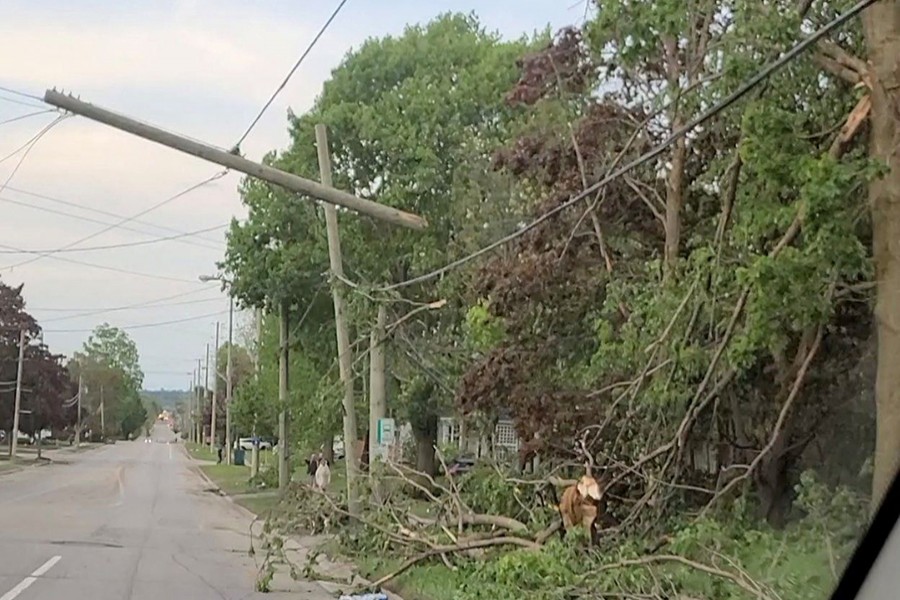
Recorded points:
(126,521)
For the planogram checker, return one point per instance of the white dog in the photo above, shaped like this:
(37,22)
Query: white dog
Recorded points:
(323,474)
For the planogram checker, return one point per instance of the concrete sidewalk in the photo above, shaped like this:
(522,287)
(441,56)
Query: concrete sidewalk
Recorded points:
(298,548)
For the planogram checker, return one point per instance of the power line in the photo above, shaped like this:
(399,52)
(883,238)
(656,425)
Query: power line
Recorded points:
(111,246)
(144,325)
(32,140)
(102,311)
(183,192)
(107,213)
(31,146)
(20,103)
(22,94)
(89,312)
(27,115)
(291,72)
(723,104)
(95,266)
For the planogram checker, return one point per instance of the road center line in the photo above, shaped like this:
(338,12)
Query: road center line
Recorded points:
(26,583)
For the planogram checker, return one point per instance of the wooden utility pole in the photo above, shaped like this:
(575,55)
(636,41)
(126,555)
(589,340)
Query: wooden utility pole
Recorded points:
(228,384)
(284,472)
(14,440)
(254,452)
(205,393)
(201,392)
(232,160)
(343,338)
(102,415)
(377,407)
(881,26)
(78,421)
(215,390)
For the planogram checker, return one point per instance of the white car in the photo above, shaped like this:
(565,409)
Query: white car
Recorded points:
(246,443)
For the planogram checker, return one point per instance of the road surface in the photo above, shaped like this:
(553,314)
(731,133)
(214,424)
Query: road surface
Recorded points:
(130,521)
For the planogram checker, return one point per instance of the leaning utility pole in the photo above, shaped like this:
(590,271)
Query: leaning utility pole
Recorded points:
(343,338)
(284,474)
(233,160)
(215,389)
(14,440)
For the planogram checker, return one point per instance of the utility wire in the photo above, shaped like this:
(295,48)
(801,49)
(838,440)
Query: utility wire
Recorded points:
(166,305)
(26,115)
(723,104)
(20,103)
(144,325)
(31,146)
(22,94)
(99,211)
(96,266)
(183,192)
(290,74)
(31,141)
(89,312)
(111,246)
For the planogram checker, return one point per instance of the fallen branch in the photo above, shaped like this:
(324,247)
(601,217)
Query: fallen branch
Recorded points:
(740,580)
(471,545)
(477,519)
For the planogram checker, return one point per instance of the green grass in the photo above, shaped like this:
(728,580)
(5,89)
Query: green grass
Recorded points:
(200,451)
(231,479)
(260,504)
(235,481)
(421,582)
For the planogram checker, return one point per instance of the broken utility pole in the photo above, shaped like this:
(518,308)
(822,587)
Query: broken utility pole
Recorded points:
(230,160)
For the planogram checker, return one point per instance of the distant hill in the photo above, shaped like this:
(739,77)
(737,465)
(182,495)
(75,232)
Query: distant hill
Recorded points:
(166,399)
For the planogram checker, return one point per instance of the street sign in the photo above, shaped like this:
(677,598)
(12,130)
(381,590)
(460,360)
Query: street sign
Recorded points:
(385,432)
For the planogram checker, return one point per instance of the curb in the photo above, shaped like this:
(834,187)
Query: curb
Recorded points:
(196,469)
(247,512)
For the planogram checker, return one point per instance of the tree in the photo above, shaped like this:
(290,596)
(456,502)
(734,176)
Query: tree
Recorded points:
(412,121)
(882,29)
(45,381)
(109,367)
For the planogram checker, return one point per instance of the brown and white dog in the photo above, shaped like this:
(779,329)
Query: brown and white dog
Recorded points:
(580,505)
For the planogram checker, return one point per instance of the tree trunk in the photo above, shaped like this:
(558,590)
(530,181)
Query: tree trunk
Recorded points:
(425,462)
(772,486)
(328,449)
(881,25)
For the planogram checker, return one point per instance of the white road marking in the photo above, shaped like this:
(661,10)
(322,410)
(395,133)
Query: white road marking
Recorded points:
(121,489)
(26,583)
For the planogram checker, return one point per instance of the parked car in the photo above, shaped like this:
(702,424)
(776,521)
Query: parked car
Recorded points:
(460,465)
(246,443)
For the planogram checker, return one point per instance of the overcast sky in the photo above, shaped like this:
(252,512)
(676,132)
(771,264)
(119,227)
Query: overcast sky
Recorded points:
(203,68)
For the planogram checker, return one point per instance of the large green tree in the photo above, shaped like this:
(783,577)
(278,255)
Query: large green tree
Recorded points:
(109,367)
(412,122)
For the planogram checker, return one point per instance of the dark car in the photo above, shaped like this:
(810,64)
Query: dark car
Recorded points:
(460,465)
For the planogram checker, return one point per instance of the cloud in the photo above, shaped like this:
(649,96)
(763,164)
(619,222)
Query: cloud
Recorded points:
(203,68)
(226,50)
